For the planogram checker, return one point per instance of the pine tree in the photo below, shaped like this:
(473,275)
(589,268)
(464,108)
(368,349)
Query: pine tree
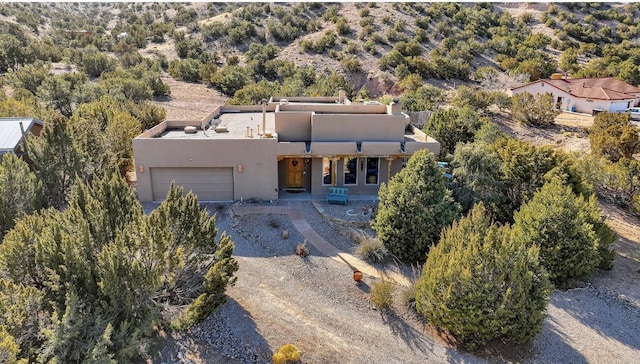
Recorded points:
(55,160)
(20,191)
(613,136)
(414,207)
(573,240)
(110,273)
(480,284)
(522,171)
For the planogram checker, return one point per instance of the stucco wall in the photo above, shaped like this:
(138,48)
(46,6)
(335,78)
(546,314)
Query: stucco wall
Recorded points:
(345,127)
(570,102)
(543,87)
(293,126)
(258,179)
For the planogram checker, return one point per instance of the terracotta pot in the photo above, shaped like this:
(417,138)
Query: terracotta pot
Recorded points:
(357,275)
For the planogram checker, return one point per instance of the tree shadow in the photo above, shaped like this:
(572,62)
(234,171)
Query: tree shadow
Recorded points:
(603,311)
(415,339)
(549,346)
(232,329)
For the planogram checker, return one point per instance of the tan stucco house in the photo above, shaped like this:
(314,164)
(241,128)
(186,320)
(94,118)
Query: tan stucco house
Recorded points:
(300,145)
(585,95)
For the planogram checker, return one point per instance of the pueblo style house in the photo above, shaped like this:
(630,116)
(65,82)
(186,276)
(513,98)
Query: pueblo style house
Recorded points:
(299,145)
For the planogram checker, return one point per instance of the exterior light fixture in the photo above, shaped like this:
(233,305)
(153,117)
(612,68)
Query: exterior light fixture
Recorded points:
(141,168)
(240,168)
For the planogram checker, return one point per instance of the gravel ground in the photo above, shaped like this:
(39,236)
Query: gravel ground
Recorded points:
(313,303)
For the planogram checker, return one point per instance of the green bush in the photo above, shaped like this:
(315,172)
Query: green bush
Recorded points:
(351,64)
(187,70)
(615,182)
(574,242)
(479,284)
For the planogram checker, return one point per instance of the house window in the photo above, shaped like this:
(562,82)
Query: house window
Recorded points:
(351,171)
(373,165)
(327,172)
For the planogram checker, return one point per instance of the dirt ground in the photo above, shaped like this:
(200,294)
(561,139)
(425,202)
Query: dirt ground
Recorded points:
(189,101)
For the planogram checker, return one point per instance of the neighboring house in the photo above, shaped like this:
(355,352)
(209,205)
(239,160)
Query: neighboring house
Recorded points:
(296,145)
(13,131)
(585,95)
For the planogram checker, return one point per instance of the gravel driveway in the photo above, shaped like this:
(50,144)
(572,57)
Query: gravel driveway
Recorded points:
(313,303)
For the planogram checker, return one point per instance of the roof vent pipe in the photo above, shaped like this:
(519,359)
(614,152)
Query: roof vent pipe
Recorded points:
(264,115)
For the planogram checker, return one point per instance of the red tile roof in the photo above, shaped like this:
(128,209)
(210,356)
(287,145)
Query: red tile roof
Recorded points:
(607,88)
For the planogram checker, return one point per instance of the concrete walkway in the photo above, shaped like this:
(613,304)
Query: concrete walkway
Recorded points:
(294,210)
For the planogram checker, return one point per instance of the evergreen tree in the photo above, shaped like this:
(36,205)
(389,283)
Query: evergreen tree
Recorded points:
(453,126)
(414,207)
(477,177)
(109,273)
(20,191)
(523,169)
(572,238)
(613,136)
(55,160)
(480,284)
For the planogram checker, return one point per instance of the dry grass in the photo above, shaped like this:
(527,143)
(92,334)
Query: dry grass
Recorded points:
(370,249)
(381,294)
(302,250)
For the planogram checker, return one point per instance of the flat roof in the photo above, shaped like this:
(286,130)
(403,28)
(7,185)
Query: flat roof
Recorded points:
(235,122)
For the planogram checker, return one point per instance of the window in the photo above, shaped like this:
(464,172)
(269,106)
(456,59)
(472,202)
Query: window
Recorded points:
(327,172)
(351,171)
(373,165)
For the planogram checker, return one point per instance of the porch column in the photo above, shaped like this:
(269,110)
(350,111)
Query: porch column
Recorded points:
(389,160)
(334,171)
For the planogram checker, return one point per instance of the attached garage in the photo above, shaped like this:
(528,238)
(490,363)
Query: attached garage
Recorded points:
(209,184)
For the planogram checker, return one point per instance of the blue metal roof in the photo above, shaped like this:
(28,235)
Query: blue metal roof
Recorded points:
(10,133)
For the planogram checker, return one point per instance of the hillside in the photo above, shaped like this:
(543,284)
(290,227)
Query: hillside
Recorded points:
(370,49)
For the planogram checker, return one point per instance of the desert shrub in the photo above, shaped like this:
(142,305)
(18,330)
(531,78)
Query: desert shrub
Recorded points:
(408,293)
(302,250)
(381,294)
(372,250)
(480,284)
(287,353)
(351,64)
(230,79)
(532,110)
(187,70)
(615,182)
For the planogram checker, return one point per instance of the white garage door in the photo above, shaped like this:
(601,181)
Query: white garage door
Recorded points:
(209,184)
